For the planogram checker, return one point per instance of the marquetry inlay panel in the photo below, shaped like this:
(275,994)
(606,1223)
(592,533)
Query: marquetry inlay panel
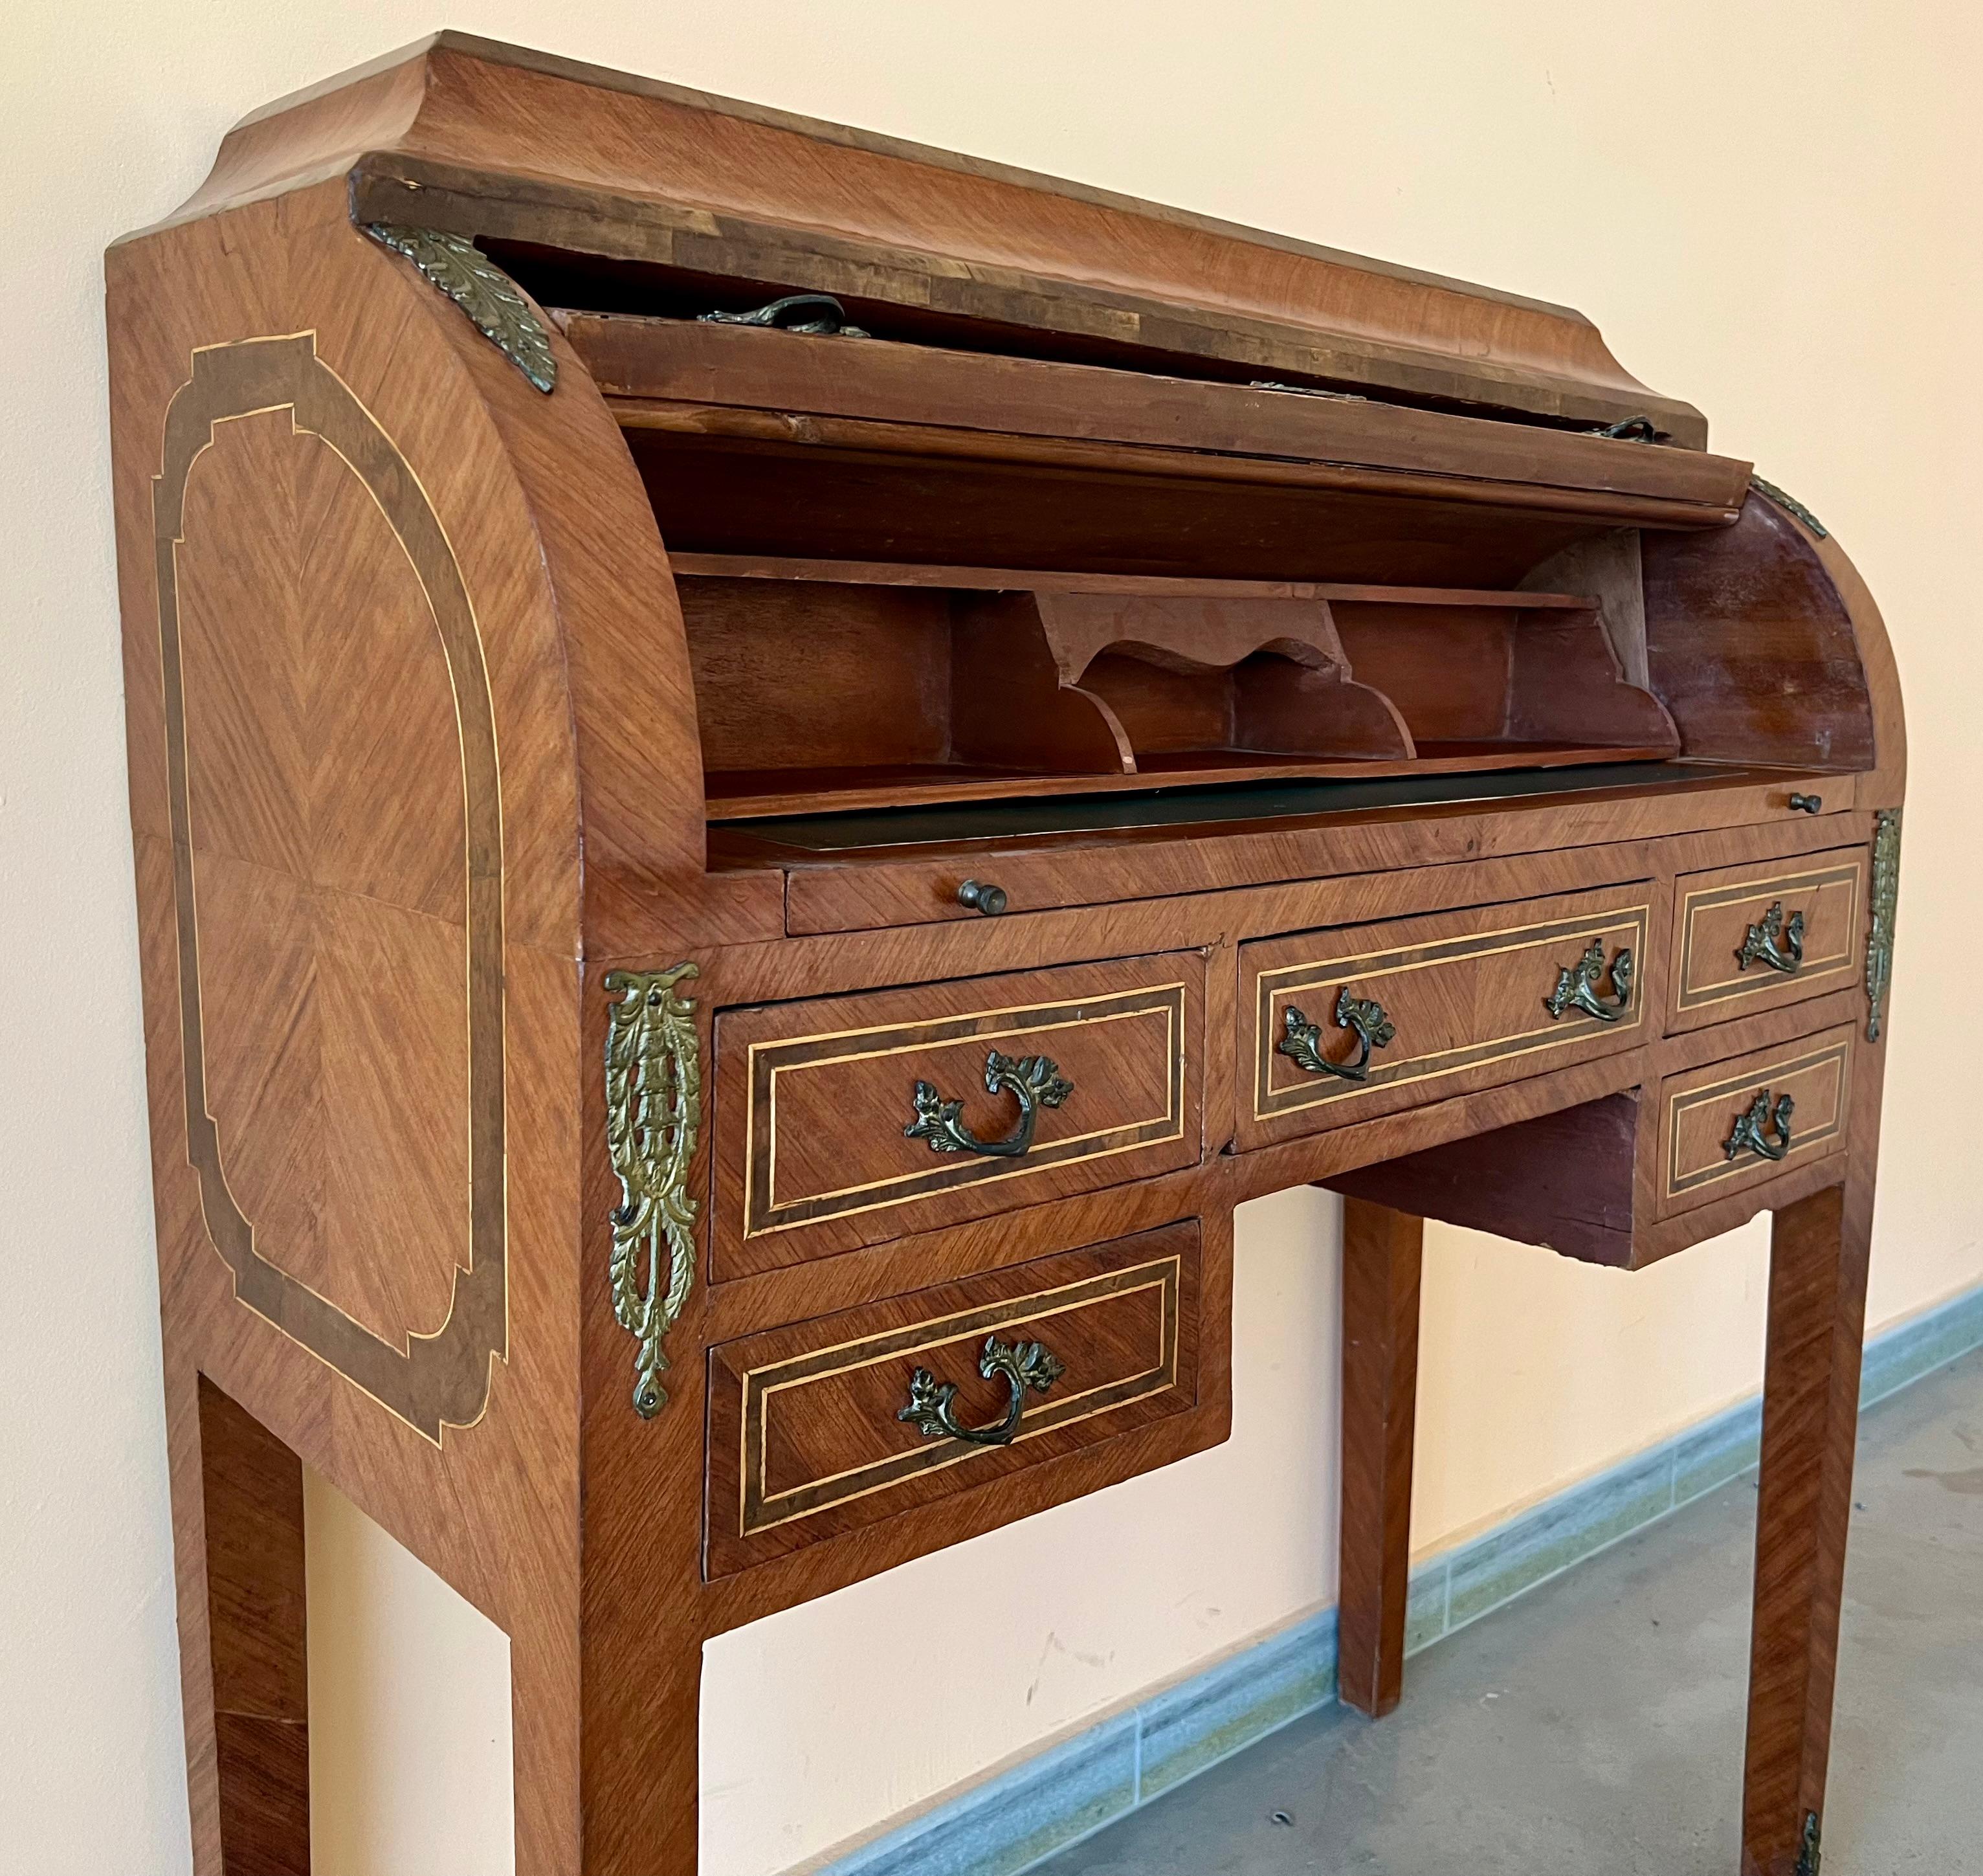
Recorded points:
(337,832)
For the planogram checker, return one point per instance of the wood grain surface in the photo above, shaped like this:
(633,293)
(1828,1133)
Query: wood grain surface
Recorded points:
(1383,1251)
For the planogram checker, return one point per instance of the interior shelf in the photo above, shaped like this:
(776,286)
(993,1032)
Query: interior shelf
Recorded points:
(824,684)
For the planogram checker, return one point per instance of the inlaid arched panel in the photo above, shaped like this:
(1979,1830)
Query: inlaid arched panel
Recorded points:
(337,838)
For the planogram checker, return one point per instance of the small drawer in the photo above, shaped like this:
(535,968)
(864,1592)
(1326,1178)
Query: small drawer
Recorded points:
(1722,1128)
(1749,938)
(1347,1025)
(819,1429)
(849,1120)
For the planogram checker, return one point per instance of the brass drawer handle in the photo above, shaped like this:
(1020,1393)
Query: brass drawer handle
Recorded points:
(1771,941)
(1576,986)
(1034,1081)
(1750,1130)
(1302,1042)
(1025,1365)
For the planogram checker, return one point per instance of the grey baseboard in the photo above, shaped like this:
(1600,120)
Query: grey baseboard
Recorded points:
(1008,1823)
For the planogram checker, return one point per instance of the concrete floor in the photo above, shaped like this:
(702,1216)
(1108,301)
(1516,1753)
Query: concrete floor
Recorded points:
(1597,1725)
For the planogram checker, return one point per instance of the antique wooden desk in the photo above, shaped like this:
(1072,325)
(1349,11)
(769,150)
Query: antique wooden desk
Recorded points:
(759,799)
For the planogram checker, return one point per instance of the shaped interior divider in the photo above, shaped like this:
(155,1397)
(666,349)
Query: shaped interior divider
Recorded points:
(1209,675)
(823,685)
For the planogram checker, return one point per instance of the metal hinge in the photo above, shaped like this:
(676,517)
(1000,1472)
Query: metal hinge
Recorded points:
(1811,1855)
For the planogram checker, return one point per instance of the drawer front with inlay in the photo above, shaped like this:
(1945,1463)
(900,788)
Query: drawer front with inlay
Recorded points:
(849,1120)
(820,1428)
(1749,938)
(1347,1025)
(1737,1124)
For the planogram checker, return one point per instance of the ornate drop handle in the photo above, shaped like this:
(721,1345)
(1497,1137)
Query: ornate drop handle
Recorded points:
(816,313)
(1772,942)
(1301,1044)
(1576,986)
(1749,1129)
(1034,1081)
(1025,1365)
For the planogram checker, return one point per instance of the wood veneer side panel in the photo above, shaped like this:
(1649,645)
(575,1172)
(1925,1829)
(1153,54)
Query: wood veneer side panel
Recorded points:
(628,690)
(491,1506)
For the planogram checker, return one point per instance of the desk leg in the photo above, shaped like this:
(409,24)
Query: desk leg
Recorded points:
(1381,1256)
(252,1517)
(1811,1413)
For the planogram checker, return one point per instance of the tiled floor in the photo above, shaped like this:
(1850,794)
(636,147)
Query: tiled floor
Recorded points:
(1596,1726)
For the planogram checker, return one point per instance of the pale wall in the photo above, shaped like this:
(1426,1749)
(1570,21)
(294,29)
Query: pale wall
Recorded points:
(1770,210)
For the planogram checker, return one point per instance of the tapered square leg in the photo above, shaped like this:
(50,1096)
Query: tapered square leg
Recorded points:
(1382,1254)
(252,1488)
(1811,1417)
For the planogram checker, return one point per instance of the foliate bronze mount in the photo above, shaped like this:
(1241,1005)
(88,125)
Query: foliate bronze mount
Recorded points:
(1773,942)
(653,1111)
(1362,1016)
(1811,1853)
(1026,1365)
(1034,1081)
(1576,986)
(1886,896)
(1751,1133)
(1791,505)
(482,290)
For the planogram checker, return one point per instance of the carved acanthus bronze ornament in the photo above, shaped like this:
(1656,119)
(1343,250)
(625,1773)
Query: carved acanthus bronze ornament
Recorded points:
(1576,986)
(1034,1081)
(1026,1365)
(1751,1133)
(482,290)
(653,1111)
(1773,942)
(1362,1016)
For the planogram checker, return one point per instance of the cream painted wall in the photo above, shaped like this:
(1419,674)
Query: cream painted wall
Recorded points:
(1768,208)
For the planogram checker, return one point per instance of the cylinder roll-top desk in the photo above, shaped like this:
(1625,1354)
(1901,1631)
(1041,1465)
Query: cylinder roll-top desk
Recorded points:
(769,769)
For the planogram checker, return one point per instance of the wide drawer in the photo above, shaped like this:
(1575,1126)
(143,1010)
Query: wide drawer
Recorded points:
(1447,1003)
(1738,1124)
(847,1121)
(820,1428)
(1749,938)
